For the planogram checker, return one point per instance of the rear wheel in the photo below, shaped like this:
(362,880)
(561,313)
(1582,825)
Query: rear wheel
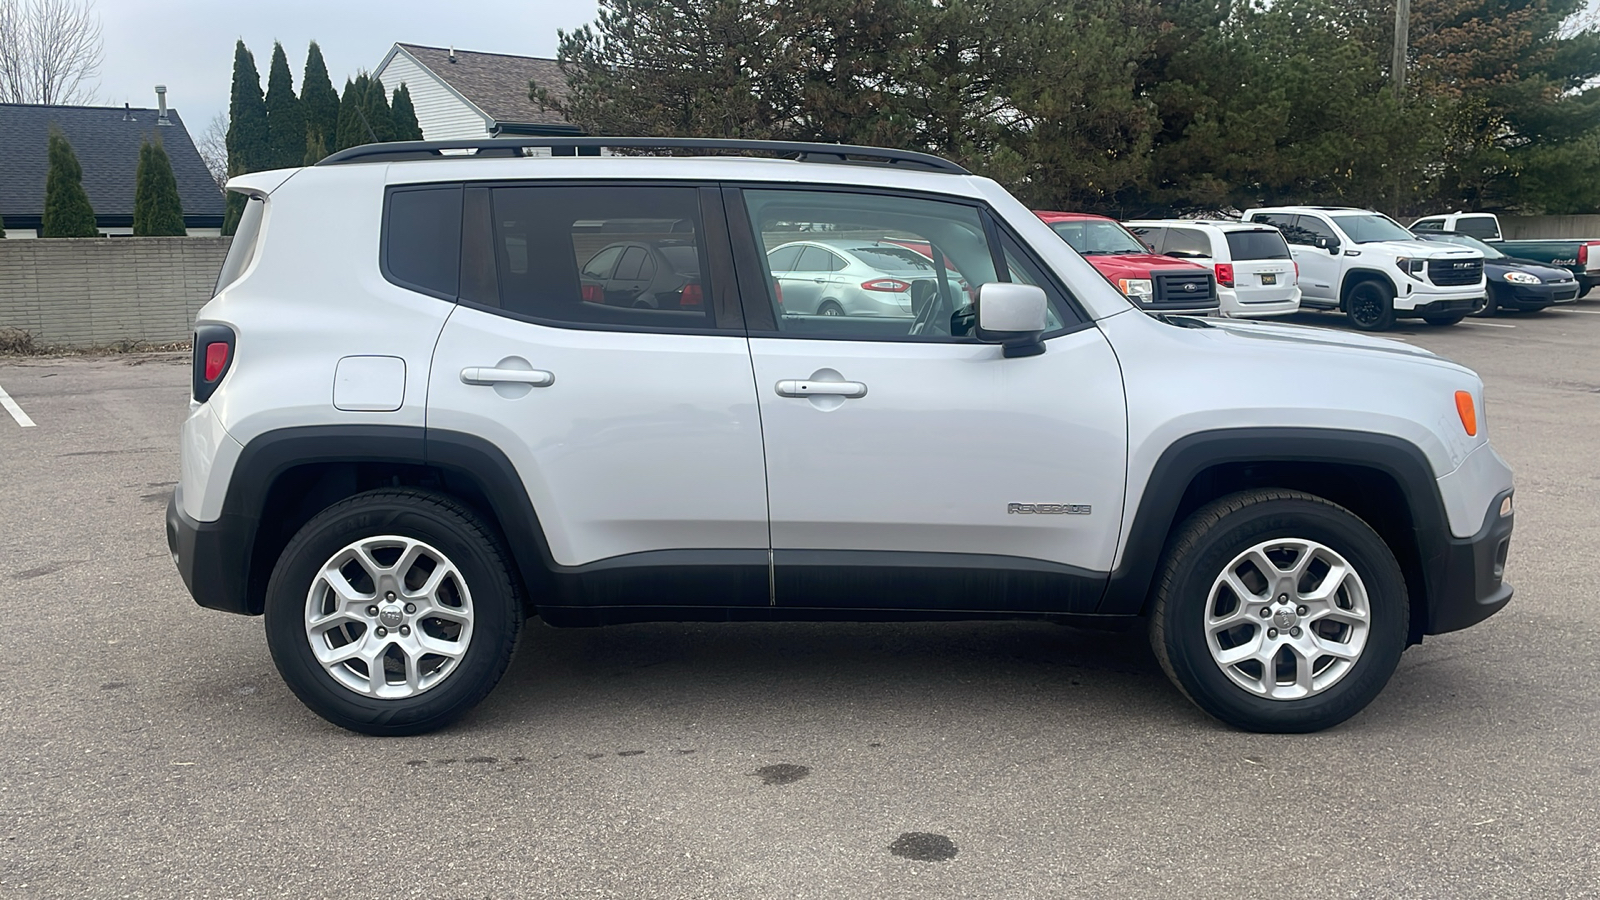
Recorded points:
(1279,611)
(392,612)
(1370,306)
(830,308)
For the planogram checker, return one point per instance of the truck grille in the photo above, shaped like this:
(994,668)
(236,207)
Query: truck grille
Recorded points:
(1451,272)
(1184,290)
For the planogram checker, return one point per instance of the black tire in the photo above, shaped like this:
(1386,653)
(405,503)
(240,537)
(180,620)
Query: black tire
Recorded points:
(1491,305)
(1583,291)
(1204,546)
(1443,319)
(1370,306)
(830,308)
(465,539)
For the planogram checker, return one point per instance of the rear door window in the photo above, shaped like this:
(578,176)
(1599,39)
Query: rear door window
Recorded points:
(1187,243)
(1480,227)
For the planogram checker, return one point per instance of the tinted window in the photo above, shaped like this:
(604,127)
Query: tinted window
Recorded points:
(1261,244)
(1478,226)
(422,235)
(543,235)
(914,297)
(1428,225)
(1187,243)
(604,263)
(783,259)
(243,248)
(1310,228)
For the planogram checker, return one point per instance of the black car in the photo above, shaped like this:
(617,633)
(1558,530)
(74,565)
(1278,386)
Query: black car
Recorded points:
(1520,285)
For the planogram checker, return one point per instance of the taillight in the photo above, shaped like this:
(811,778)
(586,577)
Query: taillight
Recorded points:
(887,285)
(1296,272)
(213,356)
(777,291)
(216,359)
(691,296)
(1583,254)
(593,294)
(1225,274)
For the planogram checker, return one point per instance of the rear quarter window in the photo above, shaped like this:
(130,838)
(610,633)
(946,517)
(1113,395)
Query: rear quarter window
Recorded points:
(422,239)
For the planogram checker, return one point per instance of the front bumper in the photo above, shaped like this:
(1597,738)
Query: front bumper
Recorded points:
(1539,296)
(211,558)
(1468,584)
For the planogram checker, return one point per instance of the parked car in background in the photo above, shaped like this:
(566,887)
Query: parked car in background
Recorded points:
(1519,285)
(1158,284)
(1365,264)
(644,275)
(851,277)
(1580,256)
(1256,274)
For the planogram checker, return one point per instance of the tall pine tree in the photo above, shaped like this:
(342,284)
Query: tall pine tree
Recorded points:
(351,132)
(320,104)
(286,122)
(249,146)
(406,127)
(157,209)
(380,119)
(67,213)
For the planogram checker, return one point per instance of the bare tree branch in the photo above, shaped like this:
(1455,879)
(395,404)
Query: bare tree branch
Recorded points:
(213,147)
(50,51)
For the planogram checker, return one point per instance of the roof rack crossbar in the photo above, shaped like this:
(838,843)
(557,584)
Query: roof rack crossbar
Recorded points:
(846,154)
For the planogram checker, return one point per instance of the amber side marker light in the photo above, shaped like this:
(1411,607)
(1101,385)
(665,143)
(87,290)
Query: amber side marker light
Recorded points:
(1468,412)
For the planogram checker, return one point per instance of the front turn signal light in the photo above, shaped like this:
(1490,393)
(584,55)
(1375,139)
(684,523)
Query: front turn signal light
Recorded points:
(1468,412)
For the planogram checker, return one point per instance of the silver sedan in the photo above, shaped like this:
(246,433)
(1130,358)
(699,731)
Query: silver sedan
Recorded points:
(852,278)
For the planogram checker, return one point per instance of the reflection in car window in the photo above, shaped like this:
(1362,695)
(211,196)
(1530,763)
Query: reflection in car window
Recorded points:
(1313,228)
(888,285)
(555,247)
(1187,243)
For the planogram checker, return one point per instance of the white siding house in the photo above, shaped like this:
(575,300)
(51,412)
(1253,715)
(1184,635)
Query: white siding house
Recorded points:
(464,94)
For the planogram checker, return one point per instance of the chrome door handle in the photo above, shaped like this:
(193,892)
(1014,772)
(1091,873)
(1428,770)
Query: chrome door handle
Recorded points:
(487,375)
(820,280)
(796,388)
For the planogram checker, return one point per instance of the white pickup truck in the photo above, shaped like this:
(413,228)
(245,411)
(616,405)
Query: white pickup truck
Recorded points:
(1369,266)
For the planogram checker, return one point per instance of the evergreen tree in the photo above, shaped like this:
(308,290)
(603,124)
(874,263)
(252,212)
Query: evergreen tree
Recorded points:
(286,123)
(157,209)
(249,147)
(67,213)
(406,127)
(380,119)
(351,132)
(320,104)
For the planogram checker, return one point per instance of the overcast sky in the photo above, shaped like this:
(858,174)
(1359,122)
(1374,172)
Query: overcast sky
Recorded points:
(187,45)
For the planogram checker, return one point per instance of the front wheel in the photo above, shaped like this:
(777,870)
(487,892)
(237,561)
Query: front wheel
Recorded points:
(392,612)
(1278,611)
(1370,306)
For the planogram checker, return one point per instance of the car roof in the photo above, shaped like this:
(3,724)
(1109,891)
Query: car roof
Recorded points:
(1053,216)
(1219,224)
(1306,209)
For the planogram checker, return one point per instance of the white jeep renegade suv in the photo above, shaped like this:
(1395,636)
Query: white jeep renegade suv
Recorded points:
(415,422)
(1366,264)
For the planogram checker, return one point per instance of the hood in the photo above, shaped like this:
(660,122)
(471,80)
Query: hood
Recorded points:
(1305,336)
(1544,270)
(1138,265)
(1420,249)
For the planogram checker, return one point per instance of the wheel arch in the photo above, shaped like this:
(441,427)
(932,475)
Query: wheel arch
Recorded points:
(1359,274)
(1386,481)
(285,477)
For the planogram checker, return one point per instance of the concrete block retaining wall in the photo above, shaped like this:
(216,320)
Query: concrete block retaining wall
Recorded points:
(84,292)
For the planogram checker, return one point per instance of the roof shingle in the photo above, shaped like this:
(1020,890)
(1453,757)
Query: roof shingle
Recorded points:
(496,82)
(106,140)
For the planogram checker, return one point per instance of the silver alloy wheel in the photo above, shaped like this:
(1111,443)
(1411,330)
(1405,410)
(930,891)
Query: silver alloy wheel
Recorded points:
(389,617)
(1287,618)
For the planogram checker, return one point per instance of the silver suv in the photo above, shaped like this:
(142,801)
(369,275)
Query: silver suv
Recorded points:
(414,424)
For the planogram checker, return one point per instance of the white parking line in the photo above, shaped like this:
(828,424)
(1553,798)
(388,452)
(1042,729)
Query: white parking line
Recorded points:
(15,410)
(1493,324)
(1581,312)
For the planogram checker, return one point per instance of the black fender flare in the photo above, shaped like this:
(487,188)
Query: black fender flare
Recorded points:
(1362,273)
(1189,457)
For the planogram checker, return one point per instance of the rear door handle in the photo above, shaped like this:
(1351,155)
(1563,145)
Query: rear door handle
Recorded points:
(487,375)
(795,388)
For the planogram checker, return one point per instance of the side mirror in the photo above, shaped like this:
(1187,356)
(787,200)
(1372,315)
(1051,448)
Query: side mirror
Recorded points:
(1328,244)
(1012,315)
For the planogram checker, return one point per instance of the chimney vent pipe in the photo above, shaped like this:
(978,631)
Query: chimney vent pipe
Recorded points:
(161,104)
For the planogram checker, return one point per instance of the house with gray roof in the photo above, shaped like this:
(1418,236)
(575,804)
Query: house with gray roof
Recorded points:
(106,140)
(465,94)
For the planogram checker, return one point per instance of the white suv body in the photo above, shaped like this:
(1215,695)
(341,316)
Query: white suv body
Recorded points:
(410,427)
(1256,274)
(1366,264)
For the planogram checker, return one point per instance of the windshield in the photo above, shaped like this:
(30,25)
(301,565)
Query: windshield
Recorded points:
(1368,228)
(1487,251)
(1096,237)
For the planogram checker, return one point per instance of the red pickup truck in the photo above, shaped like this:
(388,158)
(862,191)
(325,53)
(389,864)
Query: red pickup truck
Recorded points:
(1157,284)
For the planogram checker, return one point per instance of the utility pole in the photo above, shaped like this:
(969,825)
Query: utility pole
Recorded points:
(1402,37)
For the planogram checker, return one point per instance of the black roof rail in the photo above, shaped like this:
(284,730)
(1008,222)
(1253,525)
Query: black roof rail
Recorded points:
(848,154)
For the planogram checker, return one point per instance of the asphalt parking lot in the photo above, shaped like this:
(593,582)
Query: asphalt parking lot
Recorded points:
(150,749)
